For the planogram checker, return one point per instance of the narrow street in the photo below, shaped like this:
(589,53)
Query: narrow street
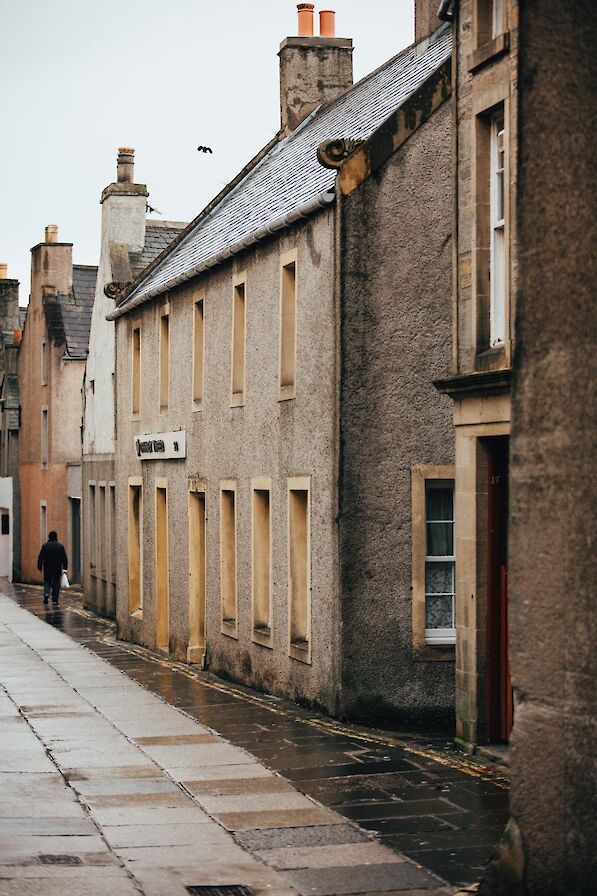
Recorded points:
(122,772)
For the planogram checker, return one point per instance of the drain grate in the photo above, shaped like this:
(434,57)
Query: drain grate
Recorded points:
(221,890)
(59,860)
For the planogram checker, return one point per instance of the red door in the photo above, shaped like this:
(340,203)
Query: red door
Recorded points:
(499,687)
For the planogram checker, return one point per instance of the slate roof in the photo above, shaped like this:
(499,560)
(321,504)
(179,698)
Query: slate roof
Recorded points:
(69,316)
(22,316)
(158,236)
(289,177)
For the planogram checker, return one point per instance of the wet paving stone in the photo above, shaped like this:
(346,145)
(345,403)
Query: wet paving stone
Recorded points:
(445,815)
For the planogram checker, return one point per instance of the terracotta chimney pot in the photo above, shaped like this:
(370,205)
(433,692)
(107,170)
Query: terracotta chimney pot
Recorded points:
(327,23)
(3,271)
(17,336)
(305,19)
(125,165)
(51,233)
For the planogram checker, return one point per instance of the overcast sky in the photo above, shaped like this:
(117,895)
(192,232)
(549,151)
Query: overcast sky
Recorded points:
(78,78)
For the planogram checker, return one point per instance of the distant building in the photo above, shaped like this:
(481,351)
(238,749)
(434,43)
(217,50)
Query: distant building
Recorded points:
(50,369)
(129,242)
(281,451)
(10,335)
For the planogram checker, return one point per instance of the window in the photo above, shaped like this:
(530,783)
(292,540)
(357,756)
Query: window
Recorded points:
(136,372)
(490,20)
(44,437)
(228,583)
(287,371)
(135,514)
(92,529)
(44,363)
(5,524)
(439,562)
(197,575)
(433,567)
(164,359)
(299,569)
(238,343)
(497,272)
(261,562)
(198,352)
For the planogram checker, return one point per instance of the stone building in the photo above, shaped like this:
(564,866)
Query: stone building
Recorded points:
(549,847)
(50,369)
(10,335)
(129,242)
(281,450)
(485,64)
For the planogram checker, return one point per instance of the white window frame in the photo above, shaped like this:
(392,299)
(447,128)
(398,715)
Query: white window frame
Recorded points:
(497,18)
(497,237)
(442,636)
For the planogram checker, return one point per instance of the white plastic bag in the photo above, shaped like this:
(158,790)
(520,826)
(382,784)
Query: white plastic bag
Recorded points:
(64,582)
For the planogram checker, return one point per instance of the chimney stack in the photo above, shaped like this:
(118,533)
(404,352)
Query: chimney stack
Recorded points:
(126,165)
(3,272)
(426,20)
(313,69)
(51,233)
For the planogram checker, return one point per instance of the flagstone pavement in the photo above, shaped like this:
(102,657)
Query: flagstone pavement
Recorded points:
(185,784)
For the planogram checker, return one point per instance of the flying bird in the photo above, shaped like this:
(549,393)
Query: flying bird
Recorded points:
(204,149)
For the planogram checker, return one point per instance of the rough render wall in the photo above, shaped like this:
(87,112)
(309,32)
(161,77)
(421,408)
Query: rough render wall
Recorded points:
(471,90)
(396,326)
(263,438)
(552,461)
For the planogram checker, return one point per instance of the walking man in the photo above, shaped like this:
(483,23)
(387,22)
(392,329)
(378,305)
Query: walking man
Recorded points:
(53,560)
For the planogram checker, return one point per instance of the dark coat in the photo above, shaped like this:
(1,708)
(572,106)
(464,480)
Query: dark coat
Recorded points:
(52,559)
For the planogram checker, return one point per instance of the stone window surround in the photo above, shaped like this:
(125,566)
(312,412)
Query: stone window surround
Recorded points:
(238,371)
(229,626)
(484,108)
(135,482)
(197,487)
(420,474)
(287,391)
(261,634)
(301,652)
(198,356)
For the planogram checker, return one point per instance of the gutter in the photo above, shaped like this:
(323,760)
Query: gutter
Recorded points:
(443,13)
(303,211)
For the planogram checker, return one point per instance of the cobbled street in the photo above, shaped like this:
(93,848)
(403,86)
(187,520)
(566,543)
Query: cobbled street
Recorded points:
(125,773)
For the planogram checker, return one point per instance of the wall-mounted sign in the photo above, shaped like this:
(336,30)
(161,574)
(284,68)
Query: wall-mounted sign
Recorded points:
(161,446)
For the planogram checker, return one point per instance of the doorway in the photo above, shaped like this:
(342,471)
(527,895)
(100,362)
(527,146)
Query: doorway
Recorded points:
(499,686)
(162,635)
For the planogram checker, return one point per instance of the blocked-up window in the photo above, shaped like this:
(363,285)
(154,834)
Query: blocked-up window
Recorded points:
(299,572)
(44,437)
(261,555)
(102,543)
(440,565)
(228,582)
(238,344)
(136,371)
(164,360)
(198,351)
(197,577)
(92,529)
(135,515)
(288,317)
(44,363)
